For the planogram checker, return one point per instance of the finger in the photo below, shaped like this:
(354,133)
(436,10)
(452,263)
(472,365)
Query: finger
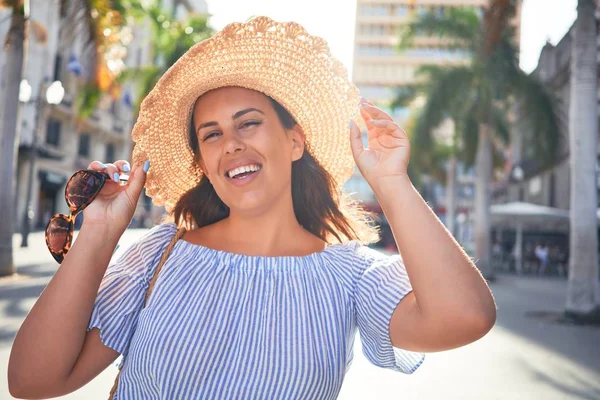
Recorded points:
(123,166)
(97,166)
(113,172)
(367,119)
(390,127)
(374,112)
(137,180)
(365,101)
(356,142)
(390,142)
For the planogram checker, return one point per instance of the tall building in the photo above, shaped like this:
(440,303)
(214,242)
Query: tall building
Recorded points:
(379,68)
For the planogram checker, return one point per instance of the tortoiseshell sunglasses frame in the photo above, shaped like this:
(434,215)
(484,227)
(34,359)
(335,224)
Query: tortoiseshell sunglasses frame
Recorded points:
(74,211)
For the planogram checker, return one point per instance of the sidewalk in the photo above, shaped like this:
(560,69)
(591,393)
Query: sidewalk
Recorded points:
(521,358)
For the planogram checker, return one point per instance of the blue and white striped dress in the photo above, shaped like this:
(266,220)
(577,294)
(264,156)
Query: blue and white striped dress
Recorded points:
(220,325)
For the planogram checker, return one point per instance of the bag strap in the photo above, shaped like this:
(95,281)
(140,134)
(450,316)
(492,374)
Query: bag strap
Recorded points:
(163,259)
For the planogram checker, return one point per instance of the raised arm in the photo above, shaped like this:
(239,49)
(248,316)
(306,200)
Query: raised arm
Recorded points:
(451,304)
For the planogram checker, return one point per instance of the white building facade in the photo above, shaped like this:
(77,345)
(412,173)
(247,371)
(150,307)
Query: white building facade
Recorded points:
(63,142)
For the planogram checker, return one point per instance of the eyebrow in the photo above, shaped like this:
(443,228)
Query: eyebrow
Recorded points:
(234,116)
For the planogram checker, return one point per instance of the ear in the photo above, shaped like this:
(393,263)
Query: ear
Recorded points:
(298,140)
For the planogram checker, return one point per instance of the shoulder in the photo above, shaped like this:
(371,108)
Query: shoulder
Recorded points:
(363,256)
(358,259)
(144,249)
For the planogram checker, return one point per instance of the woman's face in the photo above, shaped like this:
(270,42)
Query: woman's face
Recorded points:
(245,151)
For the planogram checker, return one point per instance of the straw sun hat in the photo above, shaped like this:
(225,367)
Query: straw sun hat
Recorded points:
(280,60)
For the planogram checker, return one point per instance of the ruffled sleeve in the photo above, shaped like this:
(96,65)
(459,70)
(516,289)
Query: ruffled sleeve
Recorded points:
(382,283)
(122,290)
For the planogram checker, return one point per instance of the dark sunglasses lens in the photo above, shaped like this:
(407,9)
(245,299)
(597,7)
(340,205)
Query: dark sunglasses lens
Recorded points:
(82,188)
(57,234)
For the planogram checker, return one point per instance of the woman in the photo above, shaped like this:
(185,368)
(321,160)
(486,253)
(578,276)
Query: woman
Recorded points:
(246,142)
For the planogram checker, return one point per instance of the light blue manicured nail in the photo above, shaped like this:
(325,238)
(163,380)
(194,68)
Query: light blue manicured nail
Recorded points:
(350,124)
(116,177)
(101,165)
(146,166)
(126,168)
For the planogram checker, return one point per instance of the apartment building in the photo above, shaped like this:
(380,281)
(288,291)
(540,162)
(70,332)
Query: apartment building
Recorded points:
(60,141)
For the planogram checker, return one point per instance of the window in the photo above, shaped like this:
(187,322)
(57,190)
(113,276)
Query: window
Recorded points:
(110,152)
(84,145)
(401,11)
(53,132)
(57,67)
(375,10)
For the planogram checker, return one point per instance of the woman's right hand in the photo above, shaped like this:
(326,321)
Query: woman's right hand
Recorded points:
(114,206)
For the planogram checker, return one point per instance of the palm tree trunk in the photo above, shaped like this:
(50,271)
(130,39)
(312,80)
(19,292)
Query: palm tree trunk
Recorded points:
(483,165)
(10,116)
(451,195)
(583,130)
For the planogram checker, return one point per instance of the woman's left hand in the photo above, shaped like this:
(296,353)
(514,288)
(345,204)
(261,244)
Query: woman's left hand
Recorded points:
(388,152)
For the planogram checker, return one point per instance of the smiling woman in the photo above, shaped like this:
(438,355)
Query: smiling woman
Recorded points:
(272,148)
(257,284)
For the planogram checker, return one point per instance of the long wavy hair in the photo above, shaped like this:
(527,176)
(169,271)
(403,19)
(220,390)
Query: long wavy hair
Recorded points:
(319,207)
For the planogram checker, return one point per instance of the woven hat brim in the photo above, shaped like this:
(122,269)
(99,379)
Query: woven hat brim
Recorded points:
(278,59)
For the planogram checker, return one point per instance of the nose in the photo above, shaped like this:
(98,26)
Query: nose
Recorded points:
(233,142)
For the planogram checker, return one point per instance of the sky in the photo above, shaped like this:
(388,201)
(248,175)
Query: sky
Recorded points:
(334,20)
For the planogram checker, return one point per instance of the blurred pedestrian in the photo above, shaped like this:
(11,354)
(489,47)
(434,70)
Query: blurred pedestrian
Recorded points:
(261,278)
(541,252)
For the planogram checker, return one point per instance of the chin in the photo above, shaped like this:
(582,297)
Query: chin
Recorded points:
(247,202)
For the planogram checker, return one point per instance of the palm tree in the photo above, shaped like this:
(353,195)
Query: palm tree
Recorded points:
(9,116)
(478,96)
(91,15)
(168,45)
(170,40)
(582,301)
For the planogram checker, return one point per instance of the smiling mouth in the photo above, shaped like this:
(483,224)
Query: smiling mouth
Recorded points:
(244,171)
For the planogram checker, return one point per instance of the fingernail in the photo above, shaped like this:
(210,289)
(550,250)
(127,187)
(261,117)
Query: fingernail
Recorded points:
(350,124)
(126,168)
(146,166)
(116,177)
(101,165)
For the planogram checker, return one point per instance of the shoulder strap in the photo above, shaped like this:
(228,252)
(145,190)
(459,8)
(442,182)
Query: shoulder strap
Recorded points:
(163,259)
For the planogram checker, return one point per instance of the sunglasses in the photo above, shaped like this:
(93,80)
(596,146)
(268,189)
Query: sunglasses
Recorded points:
(82,188)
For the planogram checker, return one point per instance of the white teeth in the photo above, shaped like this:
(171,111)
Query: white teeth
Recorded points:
(240,170)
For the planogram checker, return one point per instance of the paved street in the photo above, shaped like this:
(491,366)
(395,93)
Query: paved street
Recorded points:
(522,358)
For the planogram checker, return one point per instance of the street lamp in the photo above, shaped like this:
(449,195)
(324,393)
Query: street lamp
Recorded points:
(518,173)
(54,95)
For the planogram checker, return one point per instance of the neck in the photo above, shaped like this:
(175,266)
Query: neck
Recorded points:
(272,230)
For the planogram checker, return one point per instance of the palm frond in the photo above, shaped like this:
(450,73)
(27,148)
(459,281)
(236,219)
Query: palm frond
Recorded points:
(539,112)
(446,95)
(87,99)
(404,96)
(14,4)
(500,128)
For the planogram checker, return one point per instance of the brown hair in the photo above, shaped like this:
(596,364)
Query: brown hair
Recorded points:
(319,208)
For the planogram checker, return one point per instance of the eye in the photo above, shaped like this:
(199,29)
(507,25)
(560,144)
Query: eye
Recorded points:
(248,124)
(210,135)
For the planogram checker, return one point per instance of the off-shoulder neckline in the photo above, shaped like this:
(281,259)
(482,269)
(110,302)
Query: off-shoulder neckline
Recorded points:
(227,254)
